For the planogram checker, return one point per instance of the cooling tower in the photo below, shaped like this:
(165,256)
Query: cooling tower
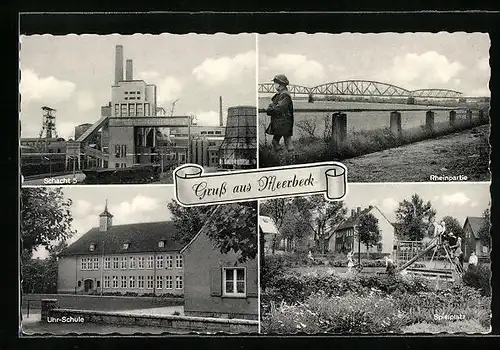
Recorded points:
(239,148)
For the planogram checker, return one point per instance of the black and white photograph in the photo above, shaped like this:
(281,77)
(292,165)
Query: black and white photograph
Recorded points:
(389,258)
(393,107)
(127,260)
(115,109)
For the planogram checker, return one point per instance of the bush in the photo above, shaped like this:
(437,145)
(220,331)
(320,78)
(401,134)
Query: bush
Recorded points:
(479,277)
(131,294)
(395,283)
(467,326)
(341,314)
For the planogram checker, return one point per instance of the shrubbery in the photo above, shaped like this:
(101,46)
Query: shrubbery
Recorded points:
(479,277)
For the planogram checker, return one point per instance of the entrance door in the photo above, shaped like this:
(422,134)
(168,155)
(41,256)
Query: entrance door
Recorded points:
(88,285)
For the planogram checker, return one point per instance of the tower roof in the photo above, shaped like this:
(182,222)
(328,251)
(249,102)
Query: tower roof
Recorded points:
(106,212)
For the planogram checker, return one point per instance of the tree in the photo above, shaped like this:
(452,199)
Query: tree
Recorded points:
(368,231)
(45,218)
(413,218)
(484,231)
(233,227)
(452,225)
(320,215)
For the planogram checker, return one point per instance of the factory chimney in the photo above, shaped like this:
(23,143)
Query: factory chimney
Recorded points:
(129,70)
(221,122)
(118,64)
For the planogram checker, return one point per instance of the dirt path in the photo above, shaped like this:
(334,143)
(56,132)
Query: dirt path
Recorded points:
(465,153)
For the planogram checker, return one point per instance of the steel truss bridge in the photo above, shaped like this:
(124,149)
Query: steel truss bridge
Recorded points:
(364,88)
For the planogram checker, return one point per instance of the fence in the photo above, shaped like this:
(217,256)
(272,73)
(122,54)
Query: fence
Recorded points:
(336,120)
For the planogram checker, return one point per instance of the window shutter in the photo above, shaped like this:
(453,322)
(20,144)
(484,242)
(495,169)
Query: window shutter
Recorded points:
(216,277)
(251,286)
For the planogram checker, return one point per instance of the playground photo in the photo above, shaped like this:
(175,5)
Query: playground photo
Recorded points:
(415,96)
(398,258)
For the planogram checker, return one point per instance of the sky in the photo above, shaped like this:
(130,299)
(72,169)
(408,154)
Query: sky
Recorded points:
(128,204)
(74,73)
(456,61)
(460,199)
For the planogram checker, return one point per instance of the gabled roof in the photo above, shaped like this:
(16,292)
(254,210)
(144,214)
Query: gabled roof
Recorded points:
(267,225)
(353,220)
(142,238)
(476,222)
(202,229)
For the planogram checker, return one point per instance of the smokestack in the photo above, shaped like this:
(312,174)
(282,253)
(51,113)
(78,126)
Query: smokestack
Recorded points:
(221,122)
(129,70)
(118,64)
(358,210)
(353,213)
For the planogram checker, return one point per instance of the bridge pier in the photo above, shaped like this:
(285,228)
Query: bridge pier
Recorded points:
(429,121)
(453,118)
(339,129)
(469,116)
(395,123)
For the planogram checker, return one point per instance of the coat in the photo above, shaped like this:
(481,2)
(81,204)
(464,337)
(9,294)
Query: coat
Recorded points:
(281,112)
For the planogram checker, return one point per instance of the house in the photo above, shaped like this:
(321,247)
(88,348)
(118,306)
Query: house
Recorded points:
(472,226)
(269,232)
(141,258)
(216,284)
(344,237)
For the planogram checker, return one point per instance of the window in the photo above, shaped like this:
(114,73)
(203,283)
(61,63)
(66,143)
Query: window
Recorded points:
(124,262)
(124,282)
(107,263)
(131,263)
(178,261)
(234,282)
(132,92)
(117,152)
(178,282)
(150,282)
(168,282)
(79,284)
(211,143)
(84,264)
(123,110)
(92,247)
(150,262)
(106,281)
(140,262)
(159,262)
(115,263)
(203,133)
(125,245)
(161,244)
(140,282)
(117,110)
(138,92)
(98,284)
(126,92)
(126,98)
(168,261)
(131,108)
(146,109)
(159,282)
(210,132)
(218,132)
(140,110)
(115,281)
(96,263)
(131,282)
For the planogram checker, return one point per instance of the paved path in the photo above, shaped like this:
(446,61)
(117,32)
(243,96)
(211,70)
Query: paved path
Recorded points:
(33,325)
(463,153)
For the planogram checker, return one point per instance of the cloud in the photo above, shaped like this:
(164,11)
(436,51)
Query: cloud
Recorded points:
(46,89)
(84,101)
(213,71)
(148,75)
(168,89)
(484,64)
(427,70)
(482,92)
(474,204)
(134,211)
(209,118)
(389,205)
(81,208)
(298,68)
(457,198)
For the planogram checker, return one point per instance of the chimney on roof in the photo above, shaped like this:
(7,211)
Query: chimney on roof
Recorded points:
(358,210)
(129,70)
(353,212)
(118,64)
(370,206)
